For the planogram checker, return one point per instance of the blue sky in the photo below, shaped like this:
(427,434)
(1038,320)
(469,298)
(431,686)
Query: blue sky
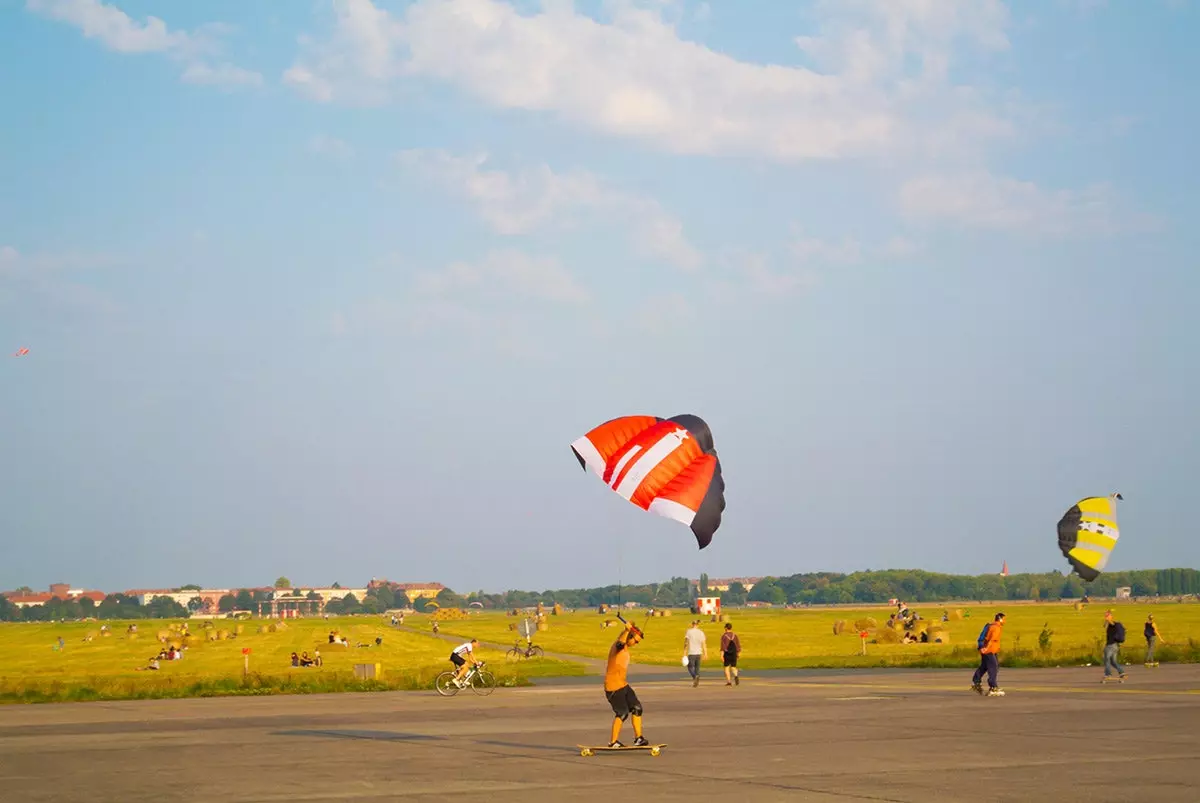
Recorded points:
(326,289)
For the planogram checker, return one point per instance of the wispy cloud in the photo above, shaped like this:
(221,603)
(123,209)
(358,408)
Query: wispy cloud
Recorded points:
(986,201)
(635,77)
(49,277)
(521,201)
(331,147)
(117,31)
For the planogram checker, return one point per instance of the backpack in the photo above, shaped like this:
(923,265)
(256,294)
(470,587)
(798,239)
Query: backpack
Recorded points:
(979,642)
(1118,633)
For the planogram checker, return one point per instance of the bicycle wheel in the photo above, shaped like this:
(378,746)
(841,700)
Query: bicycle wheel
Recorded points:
(537,652)
(513,655)
(483,683)
(444,683)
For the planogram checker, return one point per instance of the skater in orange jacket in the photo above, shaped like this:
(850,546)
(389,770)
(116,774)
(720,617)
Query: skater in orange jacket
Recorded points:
(989,657)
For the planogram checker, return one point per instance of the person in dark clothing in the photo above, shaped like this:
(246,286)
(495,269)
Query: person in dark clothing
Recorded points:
(1151,633)
(1114,636)
(988,644)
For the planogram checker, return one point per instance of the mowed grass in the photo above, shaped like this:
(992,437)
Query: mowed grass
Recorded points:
(776,639)
(31,670)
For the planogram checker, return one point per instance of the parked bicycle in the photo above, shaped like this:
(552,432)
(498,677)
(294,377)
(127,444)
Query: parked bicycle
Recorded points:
(480,681)
(518,652)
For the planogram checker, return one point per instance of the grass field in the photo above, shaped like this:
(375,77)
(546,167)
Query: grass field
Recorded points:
(776,639)
(31,670)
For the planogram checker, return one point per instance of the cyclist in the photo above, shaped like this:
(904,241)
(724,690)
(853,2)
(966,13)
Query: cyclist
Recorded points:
(620,696)
(459,657)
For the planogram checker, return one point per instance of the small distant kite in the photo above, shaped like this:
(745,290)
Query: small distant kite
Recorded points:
(665,466)
(21,352)
(1088,533)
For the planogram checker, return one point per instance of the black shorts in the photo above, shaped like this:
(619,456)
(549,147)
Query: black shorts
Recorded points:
(730,658)
(623,701)
(457,659)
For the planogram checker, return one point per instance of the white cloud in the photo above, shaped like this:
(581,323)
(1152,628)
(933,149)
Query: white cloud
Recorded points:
(330,146)
(47,276)
(521,201)
(635,77)
(117,31)
(507,272)
(225,75)
(982,200)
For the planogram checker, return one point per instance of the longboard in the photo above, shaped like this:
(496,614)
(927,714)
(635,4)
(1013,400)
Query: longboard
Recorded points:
(585,750)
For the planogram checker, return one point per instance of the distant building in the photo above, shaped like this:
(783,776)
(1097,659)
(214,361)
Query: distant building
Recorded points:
(61,591)
(723,583)
(410,590)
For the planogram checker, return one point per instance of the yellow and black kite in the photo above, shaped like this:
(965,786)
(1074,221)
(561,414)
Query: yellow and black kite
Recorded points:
(1088,533)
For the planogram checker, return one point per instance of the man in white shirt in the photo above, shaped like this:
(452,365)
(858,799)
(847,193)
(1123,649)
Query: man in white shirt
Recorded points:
(459,657)
(695,645)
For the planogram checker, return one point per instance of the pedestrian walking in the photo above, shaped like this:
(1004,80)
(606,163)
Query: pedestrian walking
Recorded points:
(1114,637)
(695,645)
(988,644)
(731,648)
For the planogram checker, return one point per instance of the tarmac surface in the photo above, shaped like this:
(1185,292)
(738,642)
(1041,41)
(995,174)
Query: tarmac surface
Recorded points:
(918,736)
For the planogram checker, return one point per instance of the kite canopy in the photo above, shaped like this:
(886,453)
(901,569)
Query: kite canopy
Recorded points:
(1087,534)
(664,466)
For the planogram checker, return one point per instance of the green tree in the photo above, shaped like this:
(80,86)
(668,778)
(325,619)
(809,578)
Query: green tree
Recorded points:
(227,603)
(245,600)
(283,582)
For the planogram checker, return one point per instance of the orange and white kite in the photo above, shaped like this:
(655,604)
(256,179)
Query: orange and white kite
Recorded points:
(21,352)
(664,466)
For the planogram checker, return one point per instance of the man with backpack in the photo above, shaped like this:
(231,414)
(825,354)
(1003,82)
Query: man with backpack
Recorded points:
(988,644)
(1113,639)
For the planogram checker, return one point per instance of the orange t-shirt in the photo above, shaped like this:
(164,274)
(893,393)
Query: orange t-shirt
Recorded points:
(618,665)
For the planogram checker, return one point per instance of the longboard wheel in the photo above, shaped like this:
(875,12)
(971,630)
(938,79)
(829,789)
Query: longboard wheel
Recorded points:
(654,751)
(586,752)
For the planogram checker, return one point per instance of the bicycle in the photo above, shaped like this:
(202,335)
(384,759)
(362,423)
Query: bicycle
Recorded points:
(518,652)
(481,682)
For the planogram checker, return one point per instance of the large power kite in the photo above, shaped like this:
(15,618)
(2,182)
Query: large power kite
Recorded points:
(1087,534)
(665,466)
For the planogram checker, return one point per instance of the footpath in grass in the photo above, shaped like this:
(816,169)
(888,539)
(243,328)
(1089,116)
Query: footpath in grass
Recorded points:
(805,638)
(91,666)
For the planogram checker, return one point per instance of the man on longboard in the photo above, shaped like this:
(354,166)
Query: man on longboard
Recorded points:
(616,688)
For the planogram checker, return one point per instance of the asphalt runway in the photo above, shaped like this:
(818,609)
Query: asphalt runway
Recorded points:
(887,735)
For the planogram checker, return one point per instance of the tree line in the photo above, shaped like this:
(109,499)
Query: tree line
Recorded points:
(815,588)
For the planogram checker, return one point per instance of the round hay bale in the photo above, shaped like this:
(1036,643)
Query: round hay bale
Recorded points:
(558,609)
(839,627)
(886,635)
(189,641)
(163,635)
(723,617)
(263,629)
(211,635)
(869,623)
(542,626)
(175,643)
(239,629)
(273,627)
(222,635)
(666,613)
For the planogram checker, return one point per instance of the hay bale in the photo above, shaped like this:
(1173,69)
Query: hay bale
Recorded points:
(940,637)
(1078,606)
(869,623)
(542,626)
(263,629)
(558,609)
(211,635)
(723,617)
(239,629)
(839,627)
(886,635)
(222,635)
(666,613)
(273,627)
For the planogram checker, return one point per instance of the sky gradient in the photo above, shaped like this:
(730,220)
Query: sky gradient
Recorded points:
(327,289)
